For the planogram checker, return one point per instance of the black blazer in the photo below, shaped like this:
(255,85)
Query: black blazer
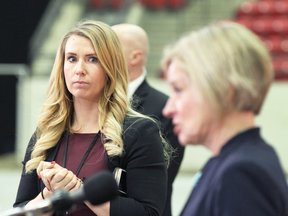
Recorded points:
(151,102)
(245,179)
(146,176)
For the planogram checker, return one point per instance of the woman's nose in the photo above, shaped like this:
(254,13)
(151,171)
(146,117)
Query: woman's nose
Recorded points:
(80,68)
(168,110)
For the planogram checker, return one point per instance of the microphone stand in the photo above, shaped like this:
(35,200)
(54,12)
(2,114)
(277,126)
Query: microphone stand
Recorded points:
(60,202)
(36,210)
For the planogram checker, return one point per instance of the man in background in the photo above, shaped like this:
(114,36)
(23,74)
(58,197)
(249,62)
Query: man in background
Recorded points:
(148,100)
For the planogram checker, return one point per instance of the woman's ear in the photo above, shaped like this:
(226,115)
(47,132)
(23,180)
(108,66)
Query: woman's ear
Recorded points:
(231,97)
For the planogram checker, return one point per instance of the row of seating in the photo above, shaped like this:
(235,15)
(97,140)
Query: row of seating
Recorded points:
(266,25)
(99,4)
(268,19)
(264,7)
(280,64)
(277,45)
(155,4)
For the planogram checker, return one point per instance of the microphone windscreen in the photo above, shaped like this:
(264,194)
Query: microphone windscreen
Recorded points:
(100,188)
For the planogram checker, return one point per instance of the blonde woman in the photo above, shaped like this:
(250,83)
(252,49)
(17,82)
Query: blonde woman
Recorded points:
(87,125)
(220,76)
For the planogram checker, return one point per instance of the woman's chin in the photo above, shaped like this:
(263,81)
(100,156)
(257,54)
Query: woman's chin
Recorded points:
(184,140)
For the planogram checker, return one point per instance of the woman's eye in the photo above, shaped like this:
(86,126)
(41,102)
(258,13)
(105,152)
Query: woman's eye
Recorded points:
(177,90)
(71,59)
(93,59)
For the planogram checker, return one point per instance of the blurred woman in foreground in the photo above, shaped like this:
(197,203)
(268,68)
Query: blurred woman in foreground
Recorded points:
(220,76)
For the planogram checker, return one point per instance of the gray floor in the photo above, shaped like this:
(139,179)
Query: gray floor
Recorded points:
(10,173)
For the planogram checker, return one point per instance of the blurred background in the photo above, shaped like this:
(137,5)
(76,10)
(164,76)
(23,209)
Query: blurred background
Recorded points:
(30,32)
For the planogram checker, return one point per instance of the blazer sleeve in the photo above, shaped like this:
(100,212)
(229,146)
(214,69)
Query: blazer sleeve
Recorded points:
(146,177)
(244,190)
(28,187)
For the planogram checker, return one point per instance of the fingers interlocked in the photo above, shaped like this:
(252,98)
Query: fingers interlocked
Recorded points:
(56,177)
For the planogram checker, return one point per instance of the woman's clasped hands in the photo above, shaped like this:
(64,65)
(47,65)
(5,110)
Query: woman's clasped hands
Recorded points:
(56,177)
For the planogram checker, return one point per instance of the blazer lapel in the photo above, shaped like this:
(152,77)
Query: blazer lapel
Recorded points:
(201,188)
(139,96)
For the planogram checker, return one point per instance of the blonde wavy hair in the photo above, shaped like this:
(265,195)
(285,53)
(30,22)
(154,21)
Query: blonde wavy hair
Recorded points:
(57,111)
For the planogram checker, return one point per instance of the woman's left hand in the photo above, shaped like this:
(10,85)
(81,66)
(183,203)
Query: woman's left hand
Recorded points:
(56,177)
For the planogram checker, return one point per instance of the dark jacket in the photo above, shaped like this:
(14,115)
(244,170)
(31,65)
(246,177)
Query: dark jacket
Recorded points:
(245,179)
(143,160)
(151,102)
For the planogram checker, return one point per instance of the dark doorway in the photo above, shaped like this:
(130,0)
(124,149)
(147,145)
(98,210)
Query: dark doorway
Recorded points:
(7,113)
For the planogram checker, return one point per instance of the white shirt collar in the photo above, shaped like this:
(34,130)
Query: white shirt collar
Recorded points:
(133,86)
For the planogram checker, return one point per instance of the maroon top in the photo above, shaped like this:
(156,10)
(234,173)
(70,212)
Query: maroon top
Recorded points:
(77,146)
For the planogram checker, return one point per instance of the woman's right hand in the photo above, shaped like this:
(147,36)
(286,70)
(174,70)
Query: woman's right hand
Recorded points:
(56,177)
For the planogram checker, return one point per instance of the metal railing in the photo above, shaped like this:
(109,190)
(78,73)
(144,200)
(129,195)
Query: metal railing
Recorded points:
(44,26)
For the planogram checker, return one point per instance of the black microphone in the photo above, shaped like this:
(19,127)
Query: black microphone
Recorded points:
(97,189)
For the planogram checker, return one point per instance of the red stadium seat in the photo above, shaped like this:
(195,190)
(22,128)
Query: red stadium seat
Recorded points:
(281,7)
(106,3)
(279,26)
(276,44)
(144,2)
(262,27)
(156,4)
(247,9)
(96,3)
(280,65)
(284,45)
(269,44)
(246,21)
(175,4)
(273,0)
(265,8)
(116,3)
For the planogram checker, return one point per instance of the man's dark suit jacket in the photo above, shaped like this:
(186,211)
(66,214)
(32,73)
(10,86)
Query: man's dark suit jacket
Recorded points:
(149,101)
(245,179)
